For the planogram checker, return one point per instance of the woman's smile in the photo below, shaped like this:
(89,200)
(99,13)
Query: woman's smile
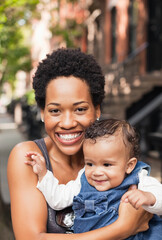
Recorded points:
(69,138)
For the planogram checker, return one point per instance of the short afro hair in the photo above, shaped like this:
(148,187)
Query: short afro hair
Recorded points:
(69,62)
(105,128)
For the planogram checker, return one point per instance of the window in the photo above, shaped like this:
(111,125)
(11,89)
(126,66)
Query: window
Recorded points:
(133,18)
(113,33)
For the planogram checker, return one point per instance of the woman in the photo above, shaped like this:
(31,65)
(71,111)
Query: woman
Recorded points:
(69,89)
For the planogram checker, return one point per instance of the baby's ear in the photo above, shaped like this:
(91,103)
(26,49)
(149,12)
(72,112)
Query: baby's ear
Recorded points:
(131,165)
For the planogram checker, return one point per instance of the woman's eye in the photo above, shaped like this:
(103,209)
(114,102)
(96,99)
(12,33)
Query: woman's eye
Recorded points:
(54,111)
(80,110)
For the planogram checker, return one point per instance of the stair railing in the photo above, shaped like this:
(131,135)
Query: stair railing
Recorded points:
(146,110)
(121,77)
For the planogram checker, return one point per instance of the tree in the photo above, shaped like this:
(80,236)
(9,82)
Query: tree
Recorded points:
(14,55)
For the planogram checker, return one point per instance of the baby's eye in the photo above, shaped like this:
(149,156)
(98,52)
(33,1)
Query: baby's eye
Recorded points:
(89,164)
(107,164)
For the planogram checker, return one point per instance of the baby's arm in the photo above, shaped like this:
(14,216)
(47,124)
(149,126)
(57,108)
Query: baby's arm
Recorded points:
(38,164)
(139,198)
(57,196)
(148,195)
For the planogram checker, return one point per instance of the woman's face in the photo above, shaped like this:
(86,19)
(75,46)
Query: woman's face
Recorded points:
(68,111)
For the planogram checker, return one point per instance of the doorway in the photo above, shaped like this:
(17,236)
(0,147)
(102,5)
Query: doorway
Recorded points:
(154,51)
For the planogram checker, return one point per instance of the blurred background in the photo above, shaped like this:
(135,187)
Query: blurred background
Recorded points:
(125,36)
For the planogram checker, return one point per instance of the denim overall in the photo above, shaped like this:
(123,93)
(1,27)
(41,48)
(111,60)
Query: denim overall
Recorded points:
(94,209)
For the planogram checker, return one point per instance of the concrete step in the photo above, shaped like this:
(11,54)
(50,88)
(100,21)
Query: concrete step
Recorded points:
(116,105)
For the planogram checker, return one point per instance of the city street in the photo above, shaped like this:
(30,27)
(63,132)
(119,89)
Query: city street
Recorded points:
(9,137)
(43,41)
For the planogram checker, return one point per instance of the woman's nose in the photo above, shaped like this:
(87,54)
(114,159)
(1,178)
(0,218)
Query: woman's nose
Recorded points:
(67,121)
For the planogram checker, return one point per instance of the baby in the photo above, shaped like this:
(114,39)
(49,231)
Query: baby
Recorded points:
(111,150)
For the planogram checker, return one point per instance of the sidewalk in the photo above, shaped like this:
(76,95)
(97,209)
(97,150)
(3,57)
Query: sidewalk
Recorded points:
(9,137)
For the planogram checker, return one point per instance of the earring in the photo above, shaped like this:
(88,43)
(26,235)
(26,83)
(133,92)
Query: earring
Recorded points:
(42,120)
(98,119)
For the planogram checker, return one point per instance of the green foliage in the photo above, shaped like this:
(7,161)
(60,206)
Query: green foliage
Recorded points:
(14,55)
(15,16)
(30,97)
(72,32)
(72,1)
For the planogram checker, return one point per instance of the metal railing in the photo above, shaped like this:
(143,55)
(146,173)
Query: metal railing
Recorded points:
(121,77)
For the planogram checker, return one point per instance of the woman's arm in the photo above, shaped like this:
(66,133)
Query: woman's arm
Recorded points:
(130,222)
(29,208)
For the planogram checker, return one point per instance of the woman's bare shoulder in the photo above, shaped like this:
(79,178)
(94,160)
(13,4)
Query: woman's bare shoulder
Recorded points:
(25,145)
(18,155)
(22,147)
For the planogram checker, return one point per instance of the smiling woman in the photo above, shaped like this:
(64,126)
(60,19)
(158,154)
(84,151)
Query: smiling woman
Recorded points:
(65,120)
(69,89)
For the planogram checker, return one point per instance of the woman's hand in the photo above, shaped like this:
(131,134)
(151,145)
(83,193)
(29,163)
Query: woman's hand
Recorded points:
(137,220)
(133,221)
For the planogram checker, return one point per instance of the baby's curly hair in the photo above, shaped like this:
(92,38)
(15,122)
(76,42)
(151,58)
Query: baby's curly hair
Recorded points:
(105,128)
(67,62)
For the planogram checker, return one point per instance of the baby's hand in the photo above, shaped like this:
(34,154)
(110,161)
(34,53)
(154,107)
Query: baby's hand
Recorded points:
(37,162)
(138,198)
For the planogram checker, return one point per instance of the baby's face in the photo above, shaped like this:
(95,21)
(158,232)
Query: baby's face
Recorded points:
(105,162)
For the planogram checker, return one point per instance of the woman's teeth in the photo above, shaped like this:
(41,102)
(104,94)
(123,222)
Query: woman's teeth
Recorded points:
(69,136)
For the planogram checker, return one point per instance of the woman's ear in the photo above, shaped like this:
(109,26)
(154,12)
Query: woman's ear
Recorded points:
(42,115)
(131,165)
(98,111)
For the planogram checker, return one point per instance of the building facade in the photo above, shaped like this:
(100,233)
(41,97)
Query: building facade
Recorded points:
(128,28)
